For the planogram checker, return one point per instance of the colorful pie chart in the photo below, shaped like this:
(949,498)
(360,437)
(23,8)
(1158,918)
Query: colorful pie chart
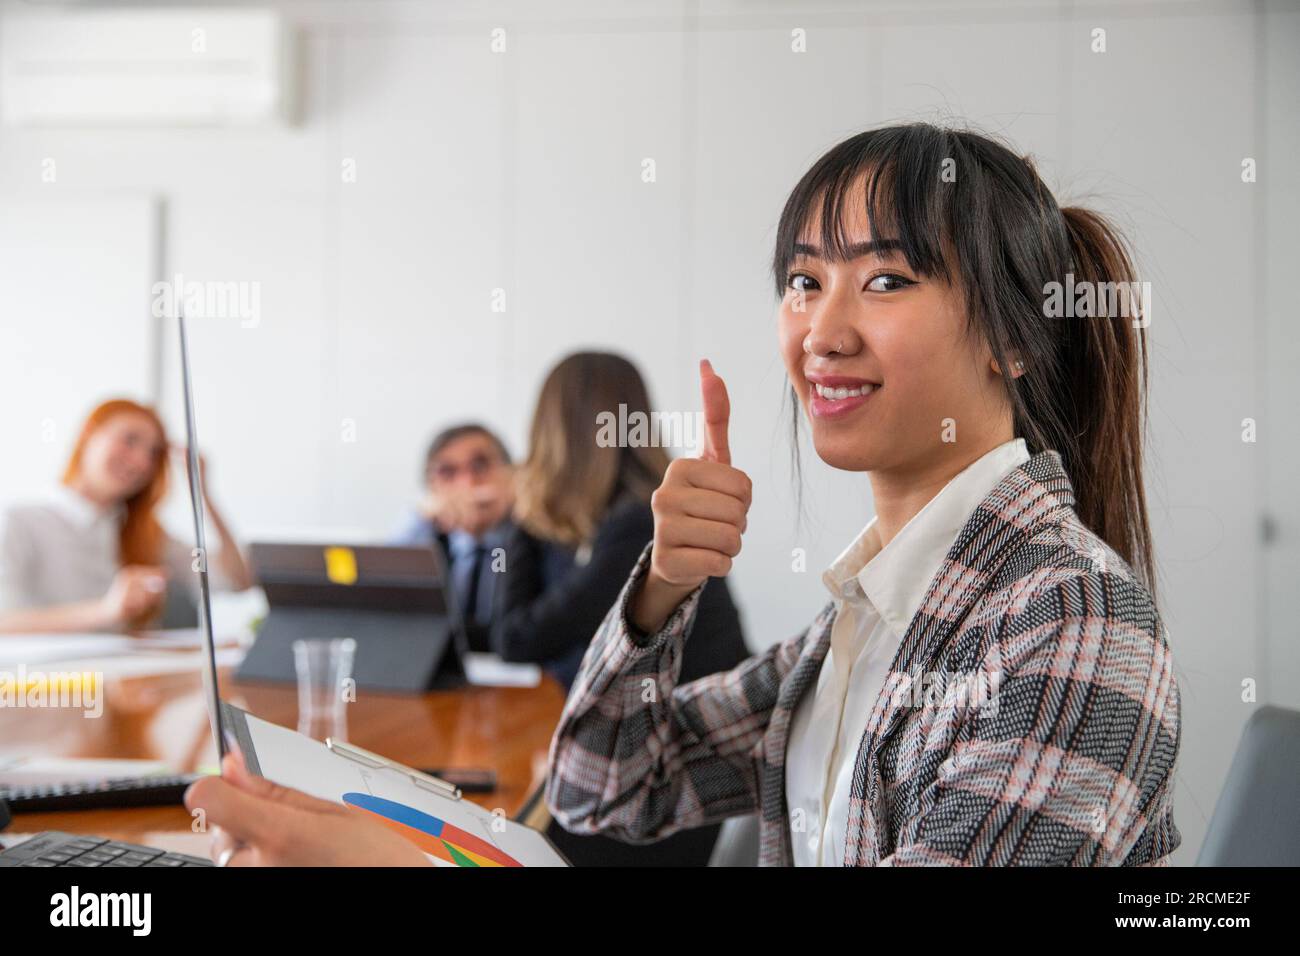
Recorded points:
(436,837)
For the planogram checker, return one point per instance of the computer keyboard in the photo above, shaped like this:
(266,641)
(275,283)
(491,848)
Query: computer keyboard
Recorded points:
(158,791)
(97,794)
(53,848)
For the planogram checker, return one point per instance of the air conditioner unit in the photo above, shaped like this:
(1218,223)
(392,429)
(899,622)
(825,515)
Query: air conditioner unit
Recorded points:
(200,67)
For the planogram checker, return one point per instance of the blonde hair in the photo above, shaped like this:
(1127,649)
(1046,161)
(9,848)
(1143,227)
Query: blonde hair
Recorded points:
(569,480)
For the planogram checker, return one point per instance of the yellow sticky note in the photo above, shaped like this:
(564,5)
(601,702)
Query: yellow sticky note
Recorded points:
(341,565)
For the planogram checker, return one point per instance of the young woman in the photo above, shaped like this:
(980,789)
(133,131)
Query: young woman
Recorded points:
(93,556)
(990,682)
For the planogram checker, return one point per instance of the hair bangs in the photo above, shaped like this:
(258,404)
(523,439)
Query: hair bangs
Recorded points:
(896,176)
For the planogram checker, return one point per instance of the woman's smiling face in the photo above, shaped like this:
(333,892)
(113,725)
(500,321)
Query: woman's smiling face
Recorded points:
(880,358)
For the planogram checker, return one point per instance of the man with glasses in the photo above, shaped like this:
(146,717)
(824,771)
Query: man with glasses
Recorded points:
(466,508)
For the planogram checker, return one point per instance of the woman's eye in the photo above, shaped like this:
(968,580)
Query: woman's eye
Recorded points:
(801,282)
(888,282)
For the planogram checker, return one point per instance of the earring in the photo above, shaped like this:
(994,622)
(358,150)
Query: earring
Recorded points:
(1020,366)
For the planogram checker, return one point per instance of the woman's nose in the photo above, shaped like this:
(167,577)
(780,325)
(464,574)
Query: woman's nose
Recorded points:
(139,462)
(830,330)
(831,338)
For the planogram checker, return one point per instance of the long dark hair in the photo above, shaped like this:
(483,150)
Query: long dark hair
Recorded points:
(972,212)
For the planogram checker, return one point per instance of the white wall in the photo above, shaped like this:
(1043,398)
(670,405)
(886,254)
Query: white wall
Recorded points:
(68,265)
(521,171)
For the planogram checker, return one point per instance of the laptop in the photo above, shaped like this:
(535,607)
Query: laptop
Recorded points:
(393,601)
(55,848)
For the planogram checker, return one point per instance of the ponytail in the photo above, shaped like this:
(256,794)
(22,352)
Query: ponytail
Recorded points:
(1100,395)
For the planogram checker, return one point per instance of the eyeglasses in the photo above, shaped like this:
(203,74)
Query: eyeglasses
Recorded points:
(478,467)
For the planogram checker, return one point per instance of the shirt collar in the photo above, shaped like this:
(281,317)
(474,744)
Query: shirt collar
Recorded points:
(895,579)
(81,512)
(462,542)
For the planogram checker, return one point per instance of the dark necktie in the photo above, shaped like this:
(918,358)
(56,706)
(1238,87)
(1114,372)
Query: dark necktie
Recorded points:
(475,574)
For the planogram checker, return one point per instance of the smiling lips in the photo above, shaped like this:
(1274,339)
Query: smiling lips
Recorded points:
(837,395)
(842,392)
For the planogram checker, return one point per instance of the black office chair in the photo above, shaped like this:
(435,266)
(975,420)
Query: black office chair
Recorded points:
(1257,819)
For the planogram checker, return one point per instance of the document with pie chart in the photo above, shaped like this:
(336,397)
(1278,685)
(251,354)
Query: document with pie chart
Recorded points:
(455,833)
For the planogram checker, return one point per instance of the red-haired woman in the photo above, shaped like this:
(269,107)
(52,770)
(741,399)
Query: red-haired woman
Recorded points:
(93,555)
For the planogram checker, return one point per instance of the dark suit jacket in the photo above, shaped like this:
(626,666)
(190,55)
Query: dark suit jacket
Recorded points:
(477,636)
(551,606)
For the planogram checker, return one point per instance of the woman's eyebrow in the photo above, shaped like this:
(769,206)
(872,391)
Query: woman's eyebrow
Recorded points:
(854,251)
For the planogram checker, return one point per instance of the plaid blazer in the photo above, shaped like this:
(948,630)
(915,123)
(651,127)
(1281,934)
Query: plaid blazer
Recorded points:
(1067,760)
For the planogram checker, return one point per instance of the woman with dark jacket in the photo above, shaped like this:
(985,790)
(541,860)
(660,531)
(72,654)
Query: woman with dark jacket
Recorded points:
(550,597)
(582,519)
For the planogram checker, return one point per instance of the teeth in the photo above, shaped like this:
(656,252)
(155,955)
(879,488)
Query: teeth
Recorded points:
(838,394)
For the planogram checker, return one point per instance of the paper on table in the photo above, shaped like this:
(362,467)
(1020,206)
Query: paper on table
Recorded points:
(165,662)
(489,670)
(110,654)
(19,771)
(180,638)
(30,649)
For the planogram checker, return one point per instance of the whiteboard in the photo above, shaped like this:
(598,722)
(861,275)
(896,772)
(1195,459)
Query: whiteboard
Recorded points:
(75,324)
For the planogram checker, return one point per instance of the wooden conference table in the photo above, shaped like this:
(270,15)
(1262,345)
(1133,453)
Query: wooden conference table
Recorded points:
(163,717)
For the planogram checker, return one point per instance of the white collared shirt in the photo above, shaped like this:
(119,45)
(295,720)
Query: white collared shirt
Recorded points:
(876,592)
(63,549)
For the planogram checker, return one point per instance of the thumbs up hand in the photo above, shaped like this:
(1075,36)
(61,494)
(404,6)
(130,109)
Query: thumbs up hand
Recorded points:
(700,511)
(717,415)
